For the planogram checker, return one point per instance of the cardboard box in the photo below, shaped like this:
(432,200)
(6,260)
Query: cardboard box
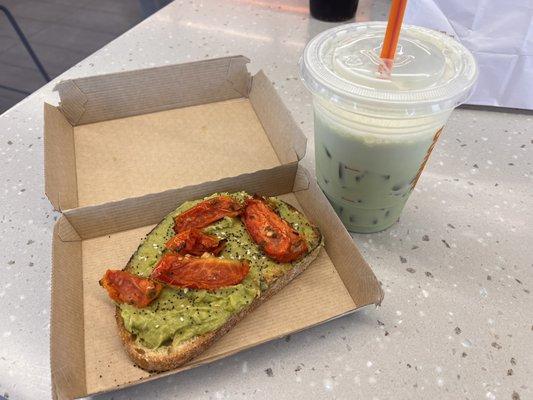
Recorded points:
(123,150)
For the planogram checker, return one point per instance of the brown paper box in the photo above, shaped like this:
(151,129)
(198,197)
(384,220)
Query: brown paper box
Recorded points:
(123,150)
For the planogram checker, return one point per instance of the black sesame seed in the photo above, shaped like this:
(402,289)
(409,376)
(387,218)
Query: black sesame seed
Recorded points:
(341,171)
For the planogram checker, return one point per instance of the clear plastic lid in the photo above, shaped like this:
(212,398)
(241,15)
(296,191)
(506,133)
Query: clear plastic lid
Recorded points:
(432,72)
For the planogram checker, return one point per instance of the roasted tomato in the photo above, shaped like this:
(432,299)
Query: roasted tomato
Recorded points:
(124,287)
(273,234)
(207,212)
(195,242)
(199,272)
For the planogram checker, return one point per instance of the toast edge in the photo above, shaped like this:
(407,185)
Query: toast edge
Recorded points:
(192,348)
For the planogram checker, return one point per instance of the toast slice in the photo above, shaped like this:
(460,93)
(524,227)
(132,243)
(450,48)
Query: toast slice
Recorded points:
(171,356)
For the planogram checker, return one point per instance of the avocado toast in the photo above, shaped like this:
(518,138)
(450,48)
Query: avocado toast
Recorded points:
(199,272)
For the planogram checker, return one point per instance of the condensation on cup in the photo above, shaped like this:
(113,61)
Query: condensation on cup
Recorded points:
(373,136)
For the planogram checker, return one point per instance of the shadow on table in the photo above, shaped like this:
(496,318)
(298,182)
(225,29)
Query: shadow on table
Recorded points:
(497,109)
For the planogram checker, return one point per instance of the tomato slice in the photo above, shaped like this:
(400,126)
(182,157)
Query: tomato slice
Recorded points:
(124,287)
(274,235)
(194,241)
(207,212)
(208,273)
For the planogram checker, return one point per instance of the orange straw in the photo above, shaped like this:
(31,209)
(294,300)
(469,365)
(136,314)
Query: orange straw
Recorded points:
(392,35)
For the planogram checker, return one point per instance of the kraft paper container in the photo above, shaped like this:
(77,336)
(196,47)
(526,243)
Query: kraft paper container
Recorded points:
(122,151)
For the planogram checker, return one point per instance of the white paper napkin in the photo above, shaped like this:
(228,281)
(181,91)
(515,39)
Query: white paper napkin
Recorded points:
(498,33)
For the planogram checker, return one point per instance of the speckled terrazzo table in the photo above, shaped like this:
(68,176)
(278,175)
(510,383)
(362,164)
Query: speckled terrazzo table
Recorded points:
(457,319)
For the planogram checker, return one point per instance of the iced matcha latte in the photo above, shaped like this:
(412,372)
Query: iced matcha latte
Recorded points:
(373,136)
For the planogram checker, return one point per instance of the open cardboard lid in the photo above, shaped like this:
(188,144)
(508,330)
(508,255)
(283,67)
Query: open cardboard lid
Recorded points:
(126,134)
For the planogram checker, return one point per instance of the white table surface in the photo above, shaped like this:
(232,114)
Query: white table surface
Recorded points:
(457,319)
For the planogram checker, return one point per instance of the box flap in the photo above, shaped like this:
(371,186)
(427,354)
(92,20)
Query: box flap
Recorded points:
(123,94)
(285,135)
(127,134)
(67,349)
(60,181)
(130,213)
(356,274)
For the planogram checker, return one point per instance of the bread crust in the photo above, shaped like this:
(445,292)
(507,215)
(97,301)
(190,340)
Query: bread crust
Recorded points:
(170,357)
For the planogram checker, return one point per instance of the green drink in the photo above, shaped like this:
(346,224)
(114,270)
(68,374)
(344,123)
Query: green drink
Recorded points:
(373,136)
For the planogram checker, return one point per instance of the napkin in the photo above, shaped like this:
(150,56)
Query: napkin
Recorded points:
(500,36)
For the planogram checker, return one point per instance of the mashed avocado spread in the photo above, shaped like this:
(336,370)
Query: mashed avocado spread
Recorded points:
(181,314)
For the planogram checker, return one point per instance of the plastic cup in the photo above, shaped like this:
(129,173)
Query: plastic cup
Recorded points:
(373,136)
